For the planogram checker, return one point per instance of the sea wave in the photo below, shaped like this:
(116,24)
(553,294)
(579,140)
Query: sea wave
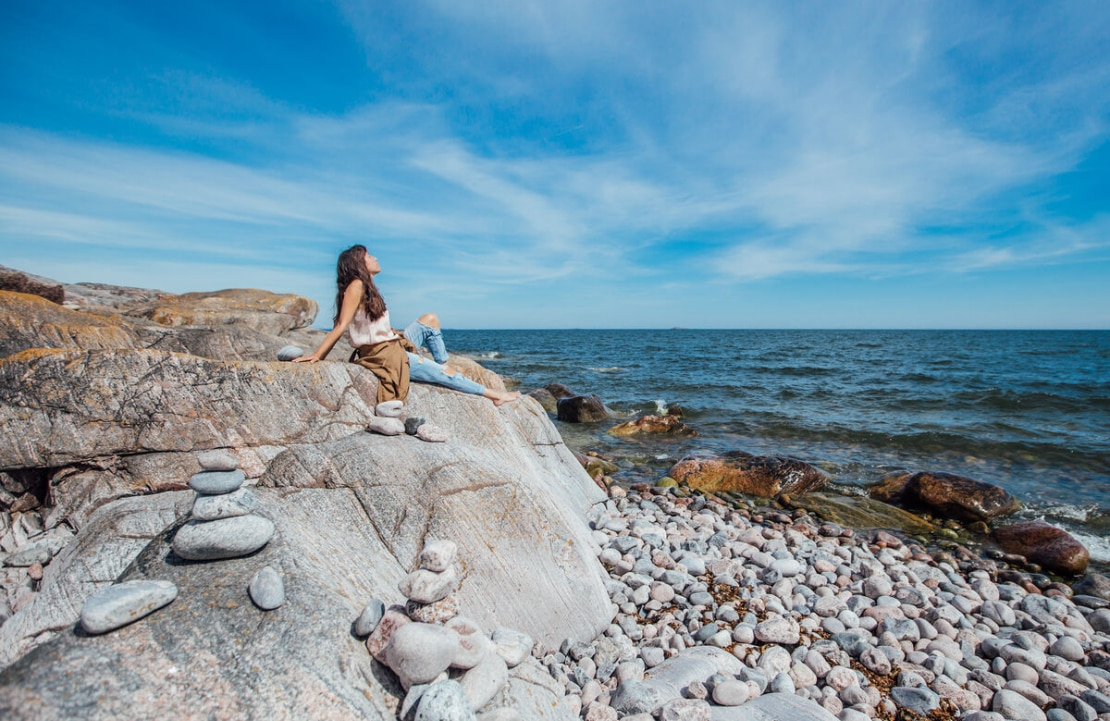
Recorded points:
(610,369)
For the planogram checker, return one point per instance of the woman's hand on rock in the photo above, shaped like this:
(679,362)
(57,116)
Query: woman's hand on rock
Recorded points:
(306,359)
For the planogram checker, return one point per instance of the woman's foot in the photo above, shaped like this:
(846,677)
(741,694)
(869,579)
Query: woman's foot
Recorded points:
(502,397)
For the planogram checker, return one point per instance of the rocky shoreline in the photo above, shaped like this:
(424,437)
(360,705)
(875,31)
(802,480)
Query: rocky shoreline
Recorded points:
(527,591)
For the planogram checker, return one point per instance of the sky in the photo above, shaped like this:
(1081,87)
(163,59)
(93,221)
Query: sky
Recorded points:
(573,164)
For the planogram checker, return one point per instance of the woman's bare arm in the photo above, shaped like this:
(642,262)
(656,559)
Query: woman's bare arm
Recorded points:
(352,297)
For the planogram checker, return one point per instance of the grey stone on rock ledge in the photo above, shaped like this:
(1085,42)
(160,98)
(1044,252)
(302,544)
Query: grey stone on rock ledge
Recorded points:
(125,603)
(267,589)
(215,483)
(772,707)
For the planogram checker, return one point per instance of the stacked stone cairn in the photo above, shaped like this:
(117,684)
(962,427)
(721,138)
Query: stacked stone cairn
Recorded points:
(392,420)
(225,524)
(449,667)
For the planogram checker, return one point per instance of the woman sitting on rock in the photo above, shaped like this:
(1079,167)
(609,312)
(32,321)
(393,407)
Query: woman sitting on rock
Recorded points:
(361,311)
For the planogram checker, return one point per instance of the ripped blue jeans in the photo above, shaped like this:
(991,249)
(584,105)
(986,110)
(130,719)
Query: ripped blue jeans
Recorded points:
(425,336)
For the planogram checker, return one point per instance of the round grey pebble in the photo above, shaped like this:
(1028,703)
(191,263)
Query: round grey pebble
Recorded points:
(1068,648)
(290,352)
(731,693)
(217,460)
(123,603)
(412,424)
(214,483)
(444,701)
(1013,705)
(266,589)
(225,538)
(370,617)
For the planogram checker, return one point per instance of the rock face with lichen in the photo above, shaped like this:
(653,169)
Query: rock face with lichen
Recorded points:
(101,437)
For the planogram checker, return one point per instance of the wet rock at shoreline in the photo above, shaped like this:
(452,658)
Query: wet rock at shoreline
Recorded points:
(737,471)
(946,495)
(1053,548)
(1093,584)
(595,465)
(581,409)
(659,425)
(861,513)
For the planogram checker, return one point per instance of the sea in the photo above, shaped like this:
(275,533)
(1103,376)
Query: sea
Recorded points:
(1025,410)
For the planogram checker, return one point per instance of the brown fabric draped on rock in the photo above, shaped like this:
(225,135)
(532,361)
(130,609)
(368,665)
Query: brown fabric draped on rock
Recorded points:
(389,361)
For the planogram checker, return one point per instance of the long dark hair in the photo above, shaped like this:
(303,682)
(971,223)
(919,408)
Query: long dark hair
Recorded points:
(351,265)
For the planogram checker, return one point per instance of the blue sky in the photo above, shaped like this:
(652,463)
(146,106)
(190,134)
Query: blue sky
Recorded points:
(573,164)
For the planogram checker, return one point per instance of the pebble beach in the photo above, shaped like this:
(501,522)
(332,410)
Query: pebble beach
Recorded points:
(864,625)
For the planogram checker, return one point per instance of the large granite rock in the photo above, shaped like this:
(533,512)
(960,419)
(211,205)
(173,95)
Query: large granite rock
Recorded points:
(947,495)
(29,321)
(352,512)
(17,281)
(266,312)
(1052,547)
(737,471)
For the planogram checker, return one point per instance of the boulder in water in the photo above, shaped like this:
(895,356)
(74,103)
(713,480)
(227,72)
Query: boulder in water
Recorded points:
(737,471)
(1053,548)
(582,409)
(946,495)
(653,425)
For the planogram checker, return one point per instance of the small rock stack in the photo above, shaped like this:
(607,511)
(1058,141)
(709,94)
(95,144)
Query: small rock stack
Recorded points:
(447,664)
(224,523)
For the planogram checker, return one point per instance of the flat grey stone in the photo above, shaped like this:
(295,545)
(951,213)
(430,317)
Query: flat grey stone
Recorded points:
(919,700)
(386,426)
(217,460)
(226,505)
(772,707)
(225,538)
(369,618)
(289,352)
(444,701)
(267,590)
(214,483)
(124,603)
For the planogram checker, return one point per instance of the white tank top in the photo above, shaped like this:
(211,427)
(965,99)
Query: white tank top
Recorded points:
(364,332)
